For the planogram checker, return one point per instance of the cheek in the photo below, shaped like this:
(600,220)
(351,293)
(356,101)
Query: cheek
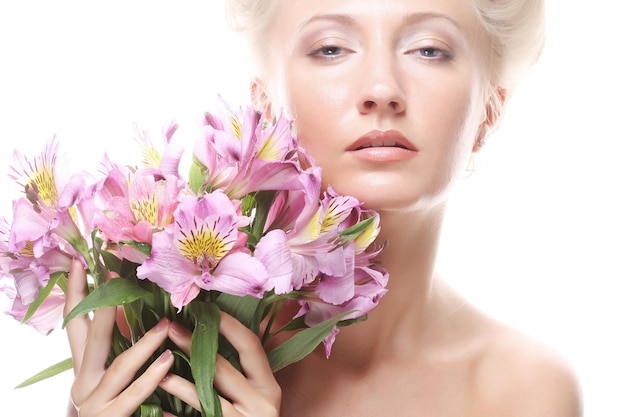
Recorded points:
(454,110)
(319,107)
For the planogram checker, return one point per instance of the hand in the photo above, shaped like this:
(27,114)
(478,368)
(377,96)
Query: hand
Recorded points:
(254,394)
(99,391)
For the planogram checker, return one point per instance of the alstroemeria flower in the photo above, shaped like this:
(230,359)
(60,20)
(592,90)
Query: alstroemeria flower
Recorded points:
(47,316)
(244,155)
(47,217)
(131,206)
(5,256)
(165,162)
(369,286)
(314,251)
(21,277)
(203,249)
(30,273)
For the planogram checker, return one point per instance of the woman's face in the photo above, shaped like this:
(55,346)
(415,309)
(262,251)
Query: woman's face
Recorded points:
(386,94)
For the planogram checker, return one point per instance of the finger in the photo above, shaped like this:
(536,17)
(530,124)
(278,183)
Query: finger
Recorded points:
(232,384)
(186,392)
(96,353)
(182,389)
(141,388)
(78,328)
(252,356)
(180,335)
(124,368)
(258,389)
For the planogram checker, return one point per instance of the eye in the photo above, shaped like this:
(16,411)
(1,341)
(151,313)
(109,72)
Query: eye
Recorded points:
(431,53)
(328,52)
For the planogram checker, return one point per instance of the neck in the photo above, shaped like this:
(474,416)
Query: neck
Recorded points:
(403,313)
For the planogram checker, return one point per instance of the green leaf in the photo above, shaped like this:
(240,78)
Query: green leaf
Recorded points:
(43,294)
(150,410)
(197,175)
(302,343)
(48,372)
(352,232)
(295,324)
(264,200)
(247,309)
(204,345)
(115,292)
(142,247)
(111,262)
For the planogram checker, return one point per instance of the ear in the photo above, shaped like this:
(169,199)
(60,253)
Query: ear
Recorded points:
(260,99)
(493,113)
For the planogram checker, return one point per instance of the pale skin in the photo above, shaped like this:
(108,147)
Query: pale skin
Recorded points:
(351,67)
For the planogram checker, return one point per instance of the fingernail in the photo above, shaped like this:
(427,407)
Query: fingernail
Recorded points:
(161,325)
(178,329)
(165,356)
(75,266)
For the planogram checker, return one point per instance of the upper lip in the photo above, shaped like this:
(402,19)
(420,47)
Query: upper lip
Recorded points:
(380,138)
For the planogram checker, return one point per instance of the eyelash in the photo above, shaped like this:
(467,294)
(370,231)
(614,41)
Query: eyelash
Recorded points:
(431,53)
(324,51)
(332,52)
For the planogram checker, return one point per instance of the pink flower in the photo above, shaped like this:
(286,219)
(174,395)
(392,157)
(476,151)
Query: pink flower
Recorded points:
(345,277)
(47,217)
(21,278)
(5,256)
(203,249)
(369,286)
(244,156)
(274,253)
(47,316)
(167,162)
(31,273)
(313,249)
(131,206)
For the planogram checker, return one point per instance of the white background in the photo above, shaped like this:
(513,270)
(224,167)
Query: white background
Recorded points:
(536,236)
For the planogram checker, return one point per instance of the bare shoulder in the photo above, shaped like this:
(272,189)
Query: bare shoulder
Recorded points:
(522,377)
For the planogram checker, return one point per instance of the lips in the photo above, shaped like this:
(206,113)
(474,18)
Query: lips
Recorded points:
(382,139)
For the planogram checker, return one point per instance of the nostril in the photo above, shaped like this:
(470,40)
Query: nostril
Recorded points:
(369,104)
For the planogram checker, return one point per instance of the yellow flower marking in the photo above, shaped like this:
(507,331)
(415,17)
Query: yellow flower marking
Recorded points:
(367,236)
(331,219)
(203,247)
(42,182)
(269,151)
(27,250)
(235,125)
(312,229)
(146,209)
(150,156)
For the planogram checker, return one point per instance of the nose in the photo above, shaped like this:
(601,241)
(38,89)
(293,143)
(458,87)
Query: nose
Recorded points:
(381,90)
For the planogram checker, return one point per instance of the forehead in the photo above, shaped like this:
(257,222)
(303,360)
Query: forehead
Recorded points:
(292,15)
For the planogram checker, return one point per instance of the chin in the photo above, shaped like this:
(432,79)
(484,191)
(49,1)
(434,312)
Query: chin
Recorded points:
(395,194)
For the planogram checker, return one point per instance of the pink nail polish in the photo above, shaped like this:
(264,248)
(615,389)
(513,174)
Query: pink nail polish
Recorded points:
(178,329)
(161,325)
(165,356)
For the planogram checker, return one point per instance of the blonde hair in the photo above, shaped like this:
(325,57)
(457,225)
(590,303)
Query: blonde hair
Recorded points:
(253,19)
(516,30)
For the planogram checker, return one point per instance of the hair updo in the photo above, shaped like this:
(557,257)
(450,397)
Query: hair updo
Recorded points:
(515,29)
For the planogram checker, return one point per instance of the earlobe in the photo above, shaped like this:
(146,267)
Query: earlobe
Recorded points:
(260,99)
(493,113)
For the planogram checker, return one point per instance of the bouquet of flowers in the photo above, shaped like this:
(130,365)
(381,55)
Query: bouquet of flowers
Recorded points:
(248,232)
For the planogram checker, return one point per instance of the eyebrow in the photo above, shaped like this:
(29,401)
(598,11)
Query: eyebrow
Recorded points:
(413,18)
(347,20)
(342,19)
